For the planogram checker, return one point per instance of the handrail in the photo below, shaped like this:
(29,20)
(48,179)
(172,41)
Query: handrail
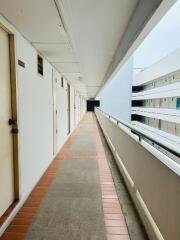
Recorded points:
(142,134)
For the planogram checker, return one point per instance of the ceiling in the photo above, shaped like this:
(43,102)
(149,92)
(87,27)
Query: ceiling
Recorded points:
(79,37)
(96,28)
(40,23)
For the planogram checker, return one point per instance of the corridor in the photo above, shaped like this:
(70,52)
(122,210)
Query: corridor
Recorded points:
(89,120)
(76,197)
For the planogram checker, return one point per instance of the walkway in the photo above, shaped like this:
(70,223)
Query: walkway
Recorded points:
(76,198)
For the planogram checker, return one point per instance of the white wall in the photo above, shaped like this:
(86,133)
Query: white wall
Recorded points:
(115,98)
(163,40)
(77,107)
(72,107)
(165,66)
(61,104)
(35,116)
(83,107)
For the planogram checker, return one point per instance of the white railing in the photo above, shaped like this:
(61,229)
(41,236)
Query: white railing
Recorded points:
(159,141)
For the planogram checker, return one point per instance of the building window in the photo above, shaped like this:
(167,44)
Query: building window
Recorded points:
(62,82)
(40,65)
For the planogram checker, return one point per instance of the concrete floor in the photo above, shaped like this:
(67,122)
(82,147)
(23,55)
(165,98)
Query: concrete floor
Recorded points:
(72,208)
(76,198)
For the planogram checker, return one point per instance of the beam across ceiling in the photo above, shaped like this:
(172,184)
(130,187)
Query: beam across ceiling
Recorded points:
(145,17)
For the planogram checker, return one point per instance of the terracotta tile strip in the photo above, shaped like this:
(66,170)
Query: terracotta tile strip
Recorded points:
(116,228)
(82,157)
(7,213)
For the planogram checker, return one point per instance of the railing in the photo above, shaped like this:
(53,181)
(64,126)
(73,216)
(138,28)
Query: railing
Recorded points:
(151,176)
(143,134)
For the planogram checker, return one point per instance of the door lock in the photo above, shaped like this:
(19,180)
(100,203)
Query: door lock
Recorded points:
(12,121)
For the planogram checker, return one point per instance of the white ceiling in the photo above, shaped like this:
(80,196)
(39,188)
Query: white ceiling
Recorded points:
(84,44)
(95,29)
(40,23)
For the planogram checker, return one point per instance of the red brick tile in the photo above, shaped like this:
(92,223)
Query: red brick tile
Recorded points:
(106,190)
(38,194)
(107,183)
(106,175)
(35,198)
(29,209)
(112,210)
(25,215)
(108,200)
(103,189)
(32,204)
(108,193)
(113,216)
(17,228)
(13,236)
(117,230)
(113,196)
(44,183)
(111,205)
(39,187)
(22,221)
(7,213)
(115,223)
(118,237)
(107,186)
(39,190)
(106,179)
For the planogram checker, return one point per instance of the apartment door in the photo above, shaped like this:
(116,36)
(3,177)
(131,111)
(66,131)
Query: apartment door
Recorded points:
(79,108)
(68,108)
(55,114)
(7,123)
(74,108)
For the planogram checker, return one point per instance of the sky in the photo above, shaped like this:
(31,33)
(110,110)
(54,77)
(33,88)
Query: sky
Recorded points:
(163,39)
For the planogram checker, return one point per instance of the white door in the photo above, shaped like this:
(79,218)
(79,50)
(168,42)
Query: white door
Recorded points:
(55,112)
(69,107)
(74,108)
(6,140)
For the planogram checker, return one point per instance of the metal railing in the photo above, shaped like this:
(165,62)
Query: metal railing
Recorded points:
(143,134)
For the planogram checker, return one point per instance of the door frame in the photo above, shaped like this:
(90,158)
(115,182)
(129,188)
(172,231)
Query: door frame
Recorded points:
(14,108)
(69,106)
(74,108)
(55,112)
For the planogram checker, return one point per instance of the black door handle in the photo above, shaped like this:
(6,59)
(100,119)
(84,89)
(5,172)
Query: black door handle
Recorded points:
(12,121)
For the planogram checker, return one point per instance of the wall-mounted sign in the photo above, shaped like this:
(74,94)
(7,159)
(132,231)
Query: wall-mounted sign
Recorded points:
(21,63)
